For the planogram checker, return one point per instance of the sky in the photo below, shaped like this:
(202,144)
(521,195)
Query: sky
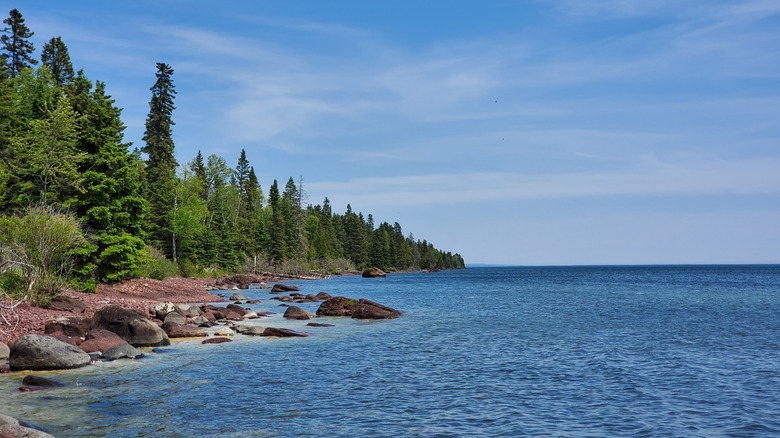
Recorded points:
(522,132)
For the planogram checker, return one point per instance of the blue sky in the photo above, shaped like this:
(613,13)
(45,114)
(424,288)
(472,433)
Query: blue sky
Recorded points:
(516,132)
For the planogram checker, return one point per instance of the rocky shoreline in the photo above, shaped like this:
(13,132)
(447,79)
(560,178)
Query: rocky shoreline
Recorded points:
(118,321)
(78,329)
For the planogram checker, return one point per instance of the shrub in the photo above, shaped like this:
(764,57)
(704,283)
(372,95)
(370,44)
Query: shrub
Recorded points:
(157,266)
(38,245)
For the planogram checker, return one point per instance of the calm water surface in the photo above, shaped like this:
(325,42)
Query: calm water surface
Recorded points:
(582,351)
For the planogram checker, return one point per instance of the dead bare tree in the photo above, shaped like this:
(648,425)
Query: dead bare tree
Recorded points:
(8,305)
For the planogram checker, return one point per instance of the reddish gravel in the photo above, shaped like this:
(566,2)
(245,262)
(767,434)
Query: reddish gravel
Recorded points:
(137,294)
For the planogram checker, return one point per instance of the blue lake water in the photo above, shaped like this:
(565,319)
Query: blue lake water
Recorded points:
(573,351)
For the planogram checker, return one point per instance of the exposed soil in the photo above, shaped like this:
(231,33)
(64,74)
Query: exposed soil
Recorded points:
(138,294)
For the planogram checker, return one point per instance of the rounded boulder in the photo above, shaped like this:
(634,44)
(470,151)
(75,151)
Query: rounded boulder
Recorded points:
(130,326)
(40,352)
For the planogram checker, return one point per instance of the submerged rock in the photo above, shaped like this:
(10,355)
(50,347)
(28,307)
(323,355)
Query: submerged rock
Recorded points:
(38,383)
(41,352)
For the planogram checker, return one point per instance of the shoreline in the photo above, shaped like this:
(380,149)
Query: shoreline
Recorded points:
(138,294)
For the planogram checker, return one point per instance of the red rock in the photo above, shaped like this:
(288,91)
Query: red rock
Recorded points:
(100,340)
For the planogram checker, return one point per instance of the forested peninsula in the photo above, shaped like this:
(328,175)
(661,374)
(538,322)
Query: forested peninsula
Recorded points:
(80,206)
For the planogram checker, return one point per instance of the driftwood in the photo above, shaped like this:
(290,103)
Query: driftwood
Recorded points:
(8,315)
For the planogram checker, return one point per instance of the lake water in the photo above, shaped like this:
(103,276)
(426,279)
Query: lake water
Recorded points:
(573,351)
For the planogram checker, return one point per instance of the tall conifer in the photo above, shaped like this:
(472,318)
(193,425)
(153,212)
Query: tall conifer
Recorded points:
(160,164)
(55,56)
(16,44)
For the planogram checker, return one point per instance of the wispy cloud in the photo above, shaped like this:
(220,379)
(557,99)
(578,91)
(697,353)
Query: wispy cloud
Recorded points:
(653,177)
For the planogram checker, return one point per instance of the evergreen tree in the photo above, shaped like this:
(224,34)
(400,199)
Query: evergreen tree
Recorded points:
(277,236)
(16,44)
(7,113)
(111,206)
(198,167)
(55,56)
(160,164)
(49,159)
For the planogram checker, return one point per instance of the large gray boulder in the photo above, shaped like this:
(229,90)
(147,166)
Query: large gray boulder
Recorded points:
(130,326)
(40,352)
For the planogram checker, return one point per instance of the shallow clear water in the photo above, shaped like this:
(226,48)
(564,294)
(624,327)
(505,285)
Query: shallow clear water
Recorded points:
(576,351)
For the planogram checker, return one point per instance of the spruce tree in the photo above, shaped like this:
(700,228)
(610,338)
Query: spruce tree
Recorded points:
(16,44)
(160,164)
(111,207)
(55,56)
(198,168)
(277,235)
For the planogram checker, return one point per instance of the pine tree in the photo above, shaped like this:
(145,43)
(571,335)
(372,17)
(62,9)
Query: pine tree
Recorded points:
(16,44)
(55,56)
(160,164)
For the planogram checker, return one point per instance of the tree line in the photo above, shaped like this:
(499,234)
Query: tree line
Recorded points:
(140,212)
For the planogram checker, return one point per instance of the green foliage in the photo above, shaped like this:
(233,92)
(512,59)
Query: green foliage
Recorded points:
(156,265)
(13,283)
(40,244)
(62,145)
